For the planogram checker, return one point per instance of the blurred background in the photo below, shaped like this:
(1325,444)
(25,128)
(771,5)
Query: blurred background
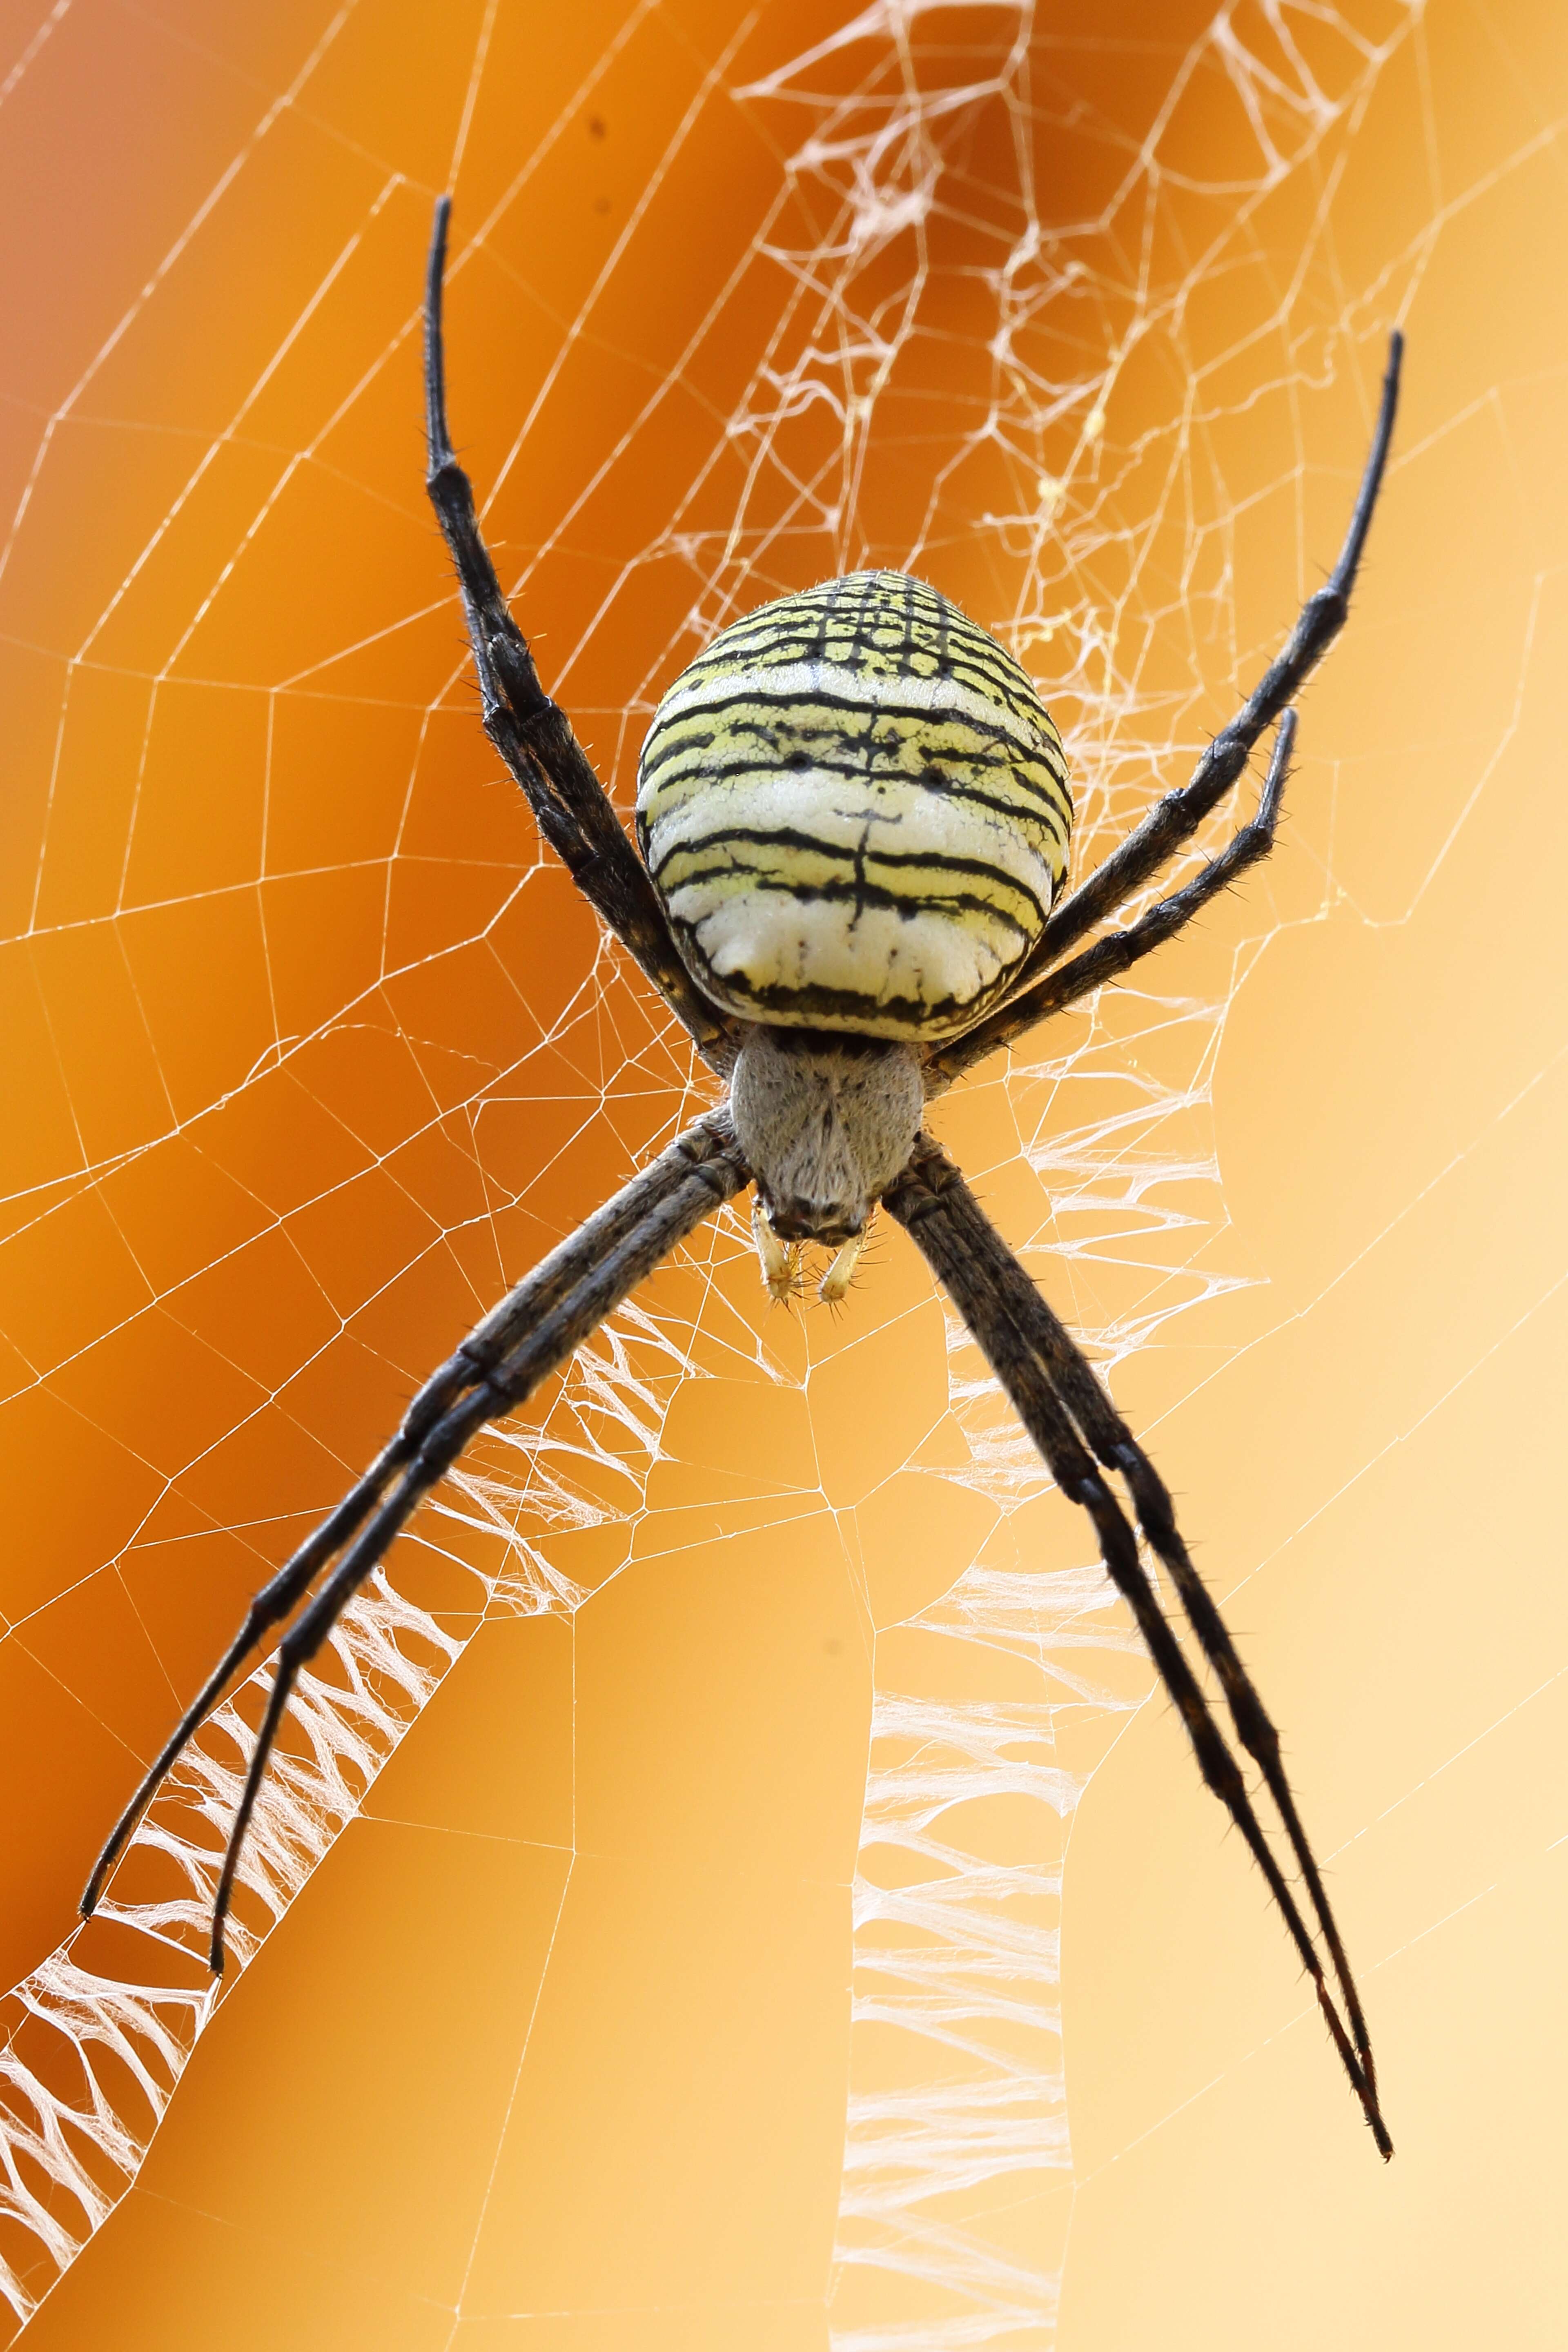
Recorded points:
(733,1884)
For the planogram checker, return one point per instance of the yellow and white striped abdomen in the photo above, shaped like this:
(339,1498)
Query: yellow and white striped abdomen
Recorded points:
(855,808)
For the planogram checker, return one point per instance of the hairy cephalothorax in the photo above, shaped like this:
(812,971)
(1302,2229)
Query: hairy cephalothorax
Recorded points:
(854,814)
(825,1122)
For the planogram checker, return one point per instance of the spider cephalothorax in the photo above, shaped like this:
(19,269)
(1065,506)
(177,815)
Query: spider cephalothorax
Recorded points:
(854,812)
(825,1122)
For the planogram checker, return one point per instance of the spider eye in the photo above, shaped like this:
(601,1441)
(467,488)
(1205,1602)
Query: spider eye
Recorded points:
(801,1219)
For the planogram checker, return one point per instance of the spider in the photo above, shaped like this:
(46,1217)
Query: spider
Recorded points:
(854,817)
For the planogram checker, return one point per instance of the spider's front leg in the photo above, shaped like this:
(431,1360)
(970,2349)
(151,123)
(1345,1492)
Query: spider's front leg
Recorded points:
(1075,1428)
(534,1330)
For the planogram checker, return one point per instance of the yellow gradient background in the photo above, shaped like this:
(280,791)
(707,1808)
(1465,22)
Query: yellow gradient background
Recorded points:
(307,1053)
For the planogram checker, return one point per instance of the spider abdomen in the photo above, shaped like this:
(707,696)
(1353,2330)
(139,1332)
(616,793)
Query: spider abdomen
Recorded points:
(853,807)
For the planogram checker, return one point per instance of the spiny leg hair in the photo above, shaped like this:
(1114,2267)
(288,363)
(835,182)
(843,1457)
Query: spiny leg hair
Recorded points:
(1175,818)
(1061,1403)
(532,734)
(531,1333)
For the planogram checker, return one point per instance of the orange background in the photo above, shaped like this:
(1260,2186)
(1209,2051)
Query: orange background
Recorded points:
(307,1053)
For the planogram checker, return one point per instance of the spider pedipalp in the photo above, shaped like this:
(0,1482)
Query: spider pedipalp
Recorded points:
(780,1260)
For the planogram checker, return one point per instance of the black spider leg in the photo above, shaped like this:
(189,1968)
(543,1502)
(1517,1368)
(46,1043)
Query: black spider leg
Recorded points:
(1115,953)
(533,735)
(486,1344)
(531,1333)
(1175,818)
(1052,1387)
(1114,1445)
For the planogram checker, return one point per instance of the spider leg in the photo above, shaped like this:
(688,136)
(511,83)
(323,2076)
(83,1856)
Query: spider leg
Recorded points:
(1115,953)
(1175,818)
(276,1600)
(1081,1392)
(1052,1387)
(531,1333)
(532,734)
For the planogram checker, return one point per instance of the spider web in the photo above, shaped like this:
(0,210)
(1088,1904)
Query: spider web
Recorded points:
(1080,322)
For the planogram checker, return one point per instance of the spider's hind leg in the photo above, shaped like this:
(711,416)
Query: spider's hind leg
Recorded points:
(533,733)
(1175,819)
(1115,953)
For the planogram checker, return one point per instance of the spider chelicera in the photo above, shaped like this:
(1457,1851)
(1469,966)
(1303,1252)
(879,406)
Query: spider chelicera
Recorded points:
(854,815)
